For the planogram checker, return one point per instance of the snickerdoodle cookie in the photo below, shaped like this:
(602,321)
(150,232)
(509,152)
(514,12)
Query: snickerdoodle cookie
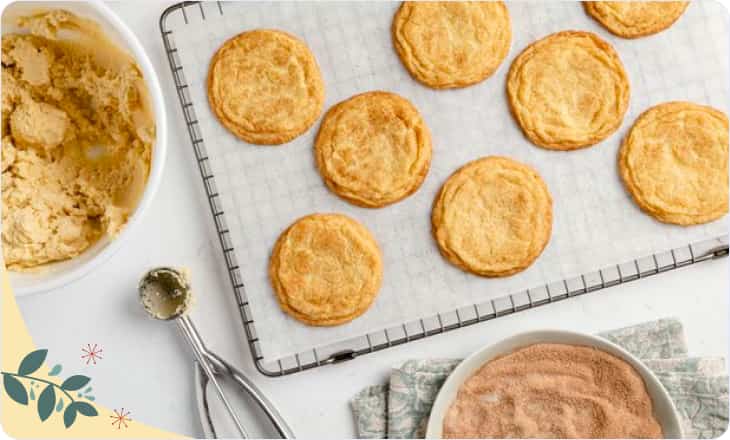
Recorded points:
(326,269)
(674,162)
(373,149)
(492,217)
(568,90)
(634,19)
(451,44)
(265,86)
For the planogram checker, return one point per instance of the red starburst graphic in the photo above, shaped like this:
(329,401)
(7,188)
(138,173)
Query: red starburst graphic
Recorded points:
(92,354)
(120,418)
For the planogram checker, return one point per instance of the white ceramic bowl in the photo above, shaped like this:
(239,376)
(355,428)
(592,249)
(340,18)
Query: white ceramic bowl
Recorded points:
(664,409)
(58,274)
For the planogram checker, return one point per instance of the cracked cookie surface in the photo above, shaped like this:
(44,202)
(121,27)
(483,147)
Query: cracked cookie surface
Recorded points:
(265,86)
(373,149)
(492,217)
(568,90)
(326,269)
(674,163)
(634,19)
(451,44)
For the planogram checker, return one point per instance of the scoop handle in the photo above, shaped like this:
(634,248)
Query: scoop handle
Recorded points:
(196,344)
(277,420)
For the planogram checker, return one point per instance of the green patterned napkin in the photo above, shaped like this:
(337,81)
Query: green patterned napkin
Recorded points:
(699,386)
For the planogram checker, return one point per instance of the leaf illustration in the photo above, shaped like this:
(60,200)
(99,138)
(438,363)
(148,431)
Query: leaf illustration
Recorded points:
(32,394)
(59,407)
(87,391)
(85,409)
(55,370)
(32,362)
(75,382)
(46,401)
(15,389)
(92,398)
(69,416)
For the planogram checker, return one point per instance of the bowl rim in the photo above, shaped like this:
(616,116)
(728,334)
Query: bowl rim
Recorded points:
(159,154)
(670,423)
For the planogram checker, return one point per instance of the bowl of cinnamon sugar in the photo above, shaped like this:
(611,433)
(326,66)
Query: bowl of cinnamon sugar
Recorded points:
(553,384)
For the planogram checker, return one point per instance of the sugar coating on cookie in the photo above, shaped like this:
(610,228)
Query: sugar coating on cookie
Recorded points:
(674,163)
(634,19)
(326,269)
(568,90)
(373,149)
(492,217)
(265,87)
(451,44)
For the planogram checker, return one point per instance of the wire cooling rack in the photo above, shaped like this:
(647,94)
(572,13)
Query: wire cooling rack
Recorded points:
(409,331)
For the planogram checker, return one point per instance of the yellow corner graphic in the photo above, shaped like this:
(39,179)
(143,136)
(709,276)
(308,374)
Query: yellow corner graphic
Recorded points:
(21,421)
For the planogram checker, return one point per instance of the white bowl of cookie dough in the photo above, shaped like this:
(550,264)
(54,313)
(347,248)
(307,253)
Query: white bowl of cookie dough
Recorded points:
(664,410)
(53,276)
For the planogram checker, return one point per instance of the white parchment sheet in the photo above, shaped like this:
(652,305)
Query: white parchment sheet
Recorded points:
(266,188)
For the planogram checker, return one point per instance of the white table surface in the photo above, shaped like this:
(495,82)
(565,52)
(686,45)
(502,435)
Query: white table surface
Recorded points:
(147,369)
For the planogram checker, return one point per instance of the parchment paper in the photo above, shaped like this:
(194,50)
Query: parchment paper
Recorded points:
(266,188)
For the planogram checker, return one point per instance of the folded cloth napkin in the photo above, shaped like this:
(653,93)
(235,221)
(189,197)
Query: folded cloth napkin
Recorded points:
(698,386)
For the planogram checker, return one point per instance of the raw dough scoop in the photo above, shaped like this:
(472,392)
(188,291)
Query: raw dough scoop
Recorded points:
(165,294)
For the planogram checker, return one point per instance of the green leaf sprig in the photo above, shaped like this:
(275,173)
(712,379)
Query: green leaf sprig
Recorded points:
(48,399)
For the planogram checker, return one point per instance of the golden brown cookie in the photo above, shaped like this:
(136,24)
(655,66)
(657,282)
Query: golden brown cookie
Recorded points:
(265,86)
(674,162)
(326,269)
(634,19)
(451,44)
(568,90)
(493,217)
(373,149)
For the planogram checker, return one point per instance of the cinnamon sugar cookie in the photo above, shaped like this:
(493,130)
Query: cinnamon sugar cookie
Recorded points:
(492,217)
(326,269)
(568,90)
(634,19)
(373,149)
(674,162)
(265,87)
(451,44)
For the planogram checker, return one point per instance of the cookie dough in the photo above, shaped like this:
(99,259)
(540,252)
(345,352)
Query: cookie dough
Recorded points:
(674,162)
(493,217)
(568,90)
(265,87)
(452,44)
(634,19)
(77,135)
(326,269)
(373,149)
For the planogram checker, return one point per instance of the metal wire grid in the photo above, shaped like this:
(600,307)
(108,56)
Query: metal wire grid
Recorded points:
(413,330)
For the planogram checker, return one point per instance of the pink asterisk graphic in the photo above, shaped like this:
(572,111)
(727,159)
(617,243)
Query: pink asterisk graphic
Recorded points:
(92,354)
(120,418)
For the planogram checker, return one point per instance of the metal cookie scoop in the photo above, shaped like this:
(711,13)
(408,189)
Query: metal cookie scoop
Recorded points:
(166,295)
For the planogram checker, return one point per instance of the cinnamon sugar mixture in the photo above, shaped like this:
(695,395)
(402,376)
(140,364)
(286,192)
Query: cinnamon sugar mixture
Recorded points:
(553,390)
